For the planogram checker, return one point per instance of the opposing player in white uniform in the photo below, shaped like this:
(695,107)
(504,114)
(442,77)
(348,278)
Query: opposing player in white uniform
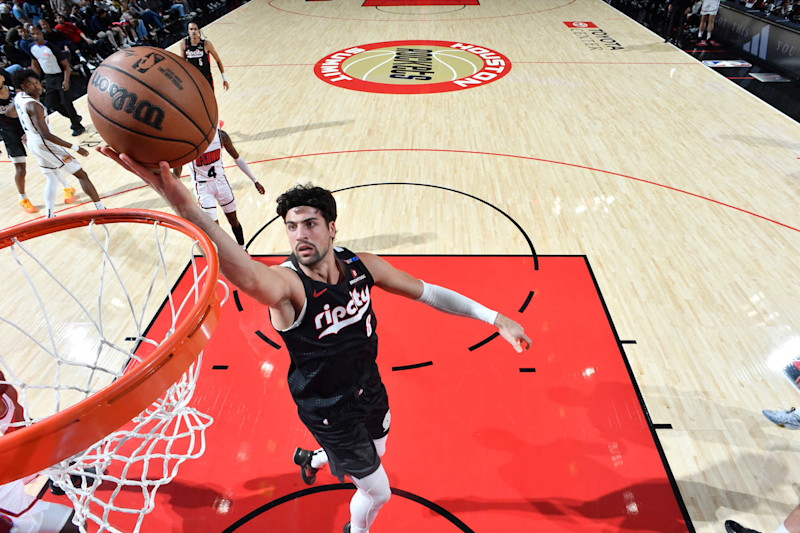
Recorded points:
(44,145)
(19,511)
(211,186)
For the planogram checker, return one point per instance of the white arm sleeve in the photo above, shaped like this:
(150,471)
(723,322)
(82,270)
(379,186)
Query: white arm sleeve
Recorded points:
(242,164)
(455,304)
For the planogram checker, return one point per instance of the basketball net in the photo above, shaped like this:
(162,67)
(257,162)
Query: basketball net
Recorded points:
(77,337)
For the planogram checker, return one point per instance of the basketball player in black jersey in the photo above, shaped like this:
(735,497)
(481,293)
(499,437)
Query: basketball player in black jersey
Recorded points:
(197,51)
(11,133)
(319,301)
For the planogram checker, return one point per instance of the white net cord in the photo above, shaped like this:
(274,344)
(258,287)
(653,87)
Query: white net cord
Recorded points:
(142,458)
(74,337)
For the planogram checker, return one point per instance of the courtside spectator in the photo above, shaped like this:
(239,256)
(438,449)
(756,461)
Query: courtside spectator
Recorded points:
(73,34)
(54,37)
(25,40)
(102,25)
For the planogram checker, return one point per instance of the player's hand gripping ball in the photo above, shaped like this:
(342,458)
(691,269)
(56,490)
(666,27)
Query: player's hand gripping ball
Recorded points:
(152,105)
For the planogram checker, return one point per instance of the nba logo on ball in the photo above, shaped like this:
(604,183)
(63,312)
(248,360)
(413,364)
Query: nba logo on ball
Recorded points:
(412,67)
(153,106)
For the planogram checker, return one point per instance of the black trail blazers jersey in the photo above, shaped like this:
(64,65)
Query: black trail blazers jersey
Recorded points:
(197,56)
(9,123)
(333,344)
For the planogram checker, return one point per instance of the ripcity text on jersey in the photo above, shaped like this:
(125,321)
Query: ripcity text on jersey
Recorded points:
(332,344)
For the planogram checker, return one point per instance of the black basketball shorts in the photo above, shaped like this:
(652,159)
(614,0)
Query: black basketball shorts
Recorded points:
(347,433)
(12,138)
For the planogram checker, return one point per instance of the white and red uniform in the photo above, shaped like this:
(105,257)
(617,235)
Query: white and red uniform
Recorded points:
(210,184)
(41,517)
(49,156)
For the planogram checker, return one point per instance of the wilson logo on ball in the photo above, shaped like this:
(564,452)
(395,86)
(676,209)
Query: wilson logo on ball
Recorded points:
(153,106)
(143,111)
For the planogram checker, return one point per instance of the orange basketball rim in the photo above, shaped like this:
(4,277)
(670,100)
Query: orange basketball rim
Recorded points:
(35,447)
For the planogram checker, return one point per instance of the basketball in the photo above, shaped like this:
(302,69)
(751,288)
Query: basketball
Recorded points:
(153,106)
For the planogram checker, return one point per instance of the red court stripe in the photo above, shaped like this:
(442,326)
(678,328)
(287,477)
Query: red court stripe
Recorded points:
(514,156)
(528,158)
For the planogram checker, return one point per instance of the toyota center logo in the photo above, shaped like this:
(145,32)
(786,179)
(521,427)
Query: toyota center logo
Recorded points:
(412,67)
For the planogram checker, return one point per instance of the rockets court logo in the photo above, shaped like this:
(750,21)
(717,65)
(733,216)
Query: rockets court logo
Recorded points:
(412,67)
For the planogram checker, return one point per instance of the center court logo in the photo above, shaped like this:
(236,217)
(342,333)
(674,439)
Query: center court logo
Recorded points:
(412,67)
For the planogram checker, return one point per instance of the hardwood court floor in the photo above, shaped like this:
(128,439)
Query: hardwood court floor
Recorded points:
(680,188)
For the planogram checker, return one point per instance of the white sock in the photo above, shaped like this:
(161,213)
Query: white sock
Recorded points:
(23,196)
(708,35)
(99,205)
(319,459)
(782,529)
(700,34)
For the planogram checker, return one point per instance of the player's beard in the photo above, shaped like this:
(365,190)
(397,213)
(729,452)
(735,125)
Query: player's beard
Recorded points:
(312,259)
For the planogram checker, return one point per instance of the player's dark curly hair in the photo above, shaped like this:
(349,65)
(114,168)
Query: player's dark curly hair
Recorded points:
(21,75)
(316,197)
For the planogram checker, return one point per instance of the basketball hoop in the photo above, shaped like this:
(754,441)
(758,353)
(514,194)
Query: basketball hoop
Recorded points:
(81,374)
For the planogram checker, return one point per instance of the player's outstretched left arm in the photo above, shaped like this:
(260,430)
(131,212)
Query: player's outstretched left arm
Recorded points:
(404,284)
(240,162)
(213,52)
(270,286)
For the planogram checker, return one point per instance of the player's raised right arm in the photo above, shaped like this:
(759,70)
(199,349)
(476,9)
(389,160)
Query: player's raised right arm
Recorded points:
(253,278)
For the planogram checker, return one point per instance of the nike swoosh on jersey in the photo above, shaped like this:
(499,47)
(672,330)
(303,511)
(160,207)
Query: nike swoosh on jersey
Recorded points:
(316,294)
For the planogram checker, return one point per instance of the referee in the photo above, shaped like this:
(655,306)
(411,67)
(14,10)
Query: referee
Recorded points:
(56,70)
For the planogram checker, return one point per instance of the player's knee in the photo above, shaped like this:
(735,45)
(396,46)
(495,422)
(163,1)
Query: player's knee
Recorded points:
(52,177)
(376,485)
(382,495)
(381,492)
